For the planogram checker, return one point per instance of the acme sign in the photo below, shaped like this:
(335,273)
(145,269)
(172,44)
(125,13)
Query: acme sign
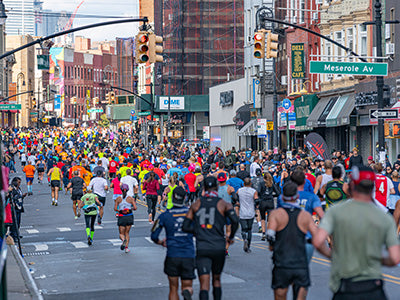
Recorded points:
(349,68)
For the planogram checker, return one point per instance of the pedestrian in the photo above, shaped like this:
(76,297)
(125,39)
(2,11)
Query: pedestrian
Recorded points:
(77,185)
(357,274)
(151,185)
(123,206)
(286,234)
(206,220)
(89,203)
(55,176)
(248,197)
(29,171)
(17,202)
(180,259)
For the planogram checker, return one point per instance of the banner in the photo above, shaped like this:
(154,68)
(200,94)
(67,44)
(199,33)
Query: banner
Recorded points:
(206,133)
(317,146)
(298,66)
(262,128)
(177,103)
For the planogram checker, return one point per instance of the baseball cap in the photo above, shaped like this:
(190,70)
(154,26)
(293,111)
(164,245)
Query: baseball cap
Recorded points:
(370,158)
(362,173)
(210,182)
(178,196)
(221,177)
(124,187)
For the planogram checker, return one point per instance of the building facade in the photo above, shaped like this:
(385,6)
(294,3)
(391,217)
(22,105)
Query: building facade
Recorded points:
(20,17)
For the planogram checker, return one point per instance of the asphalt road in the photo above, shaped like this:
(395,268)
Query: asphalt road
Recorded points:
(64,267)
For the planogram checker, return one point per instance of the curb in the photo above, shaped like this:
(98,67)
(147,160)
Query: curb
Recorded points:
(26,274)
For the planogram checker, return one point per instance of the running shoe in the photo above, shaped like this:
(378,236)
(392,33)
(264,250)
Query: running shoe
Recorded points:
(79,213)
(127,250)
(76,217)
(89,241)
(264,237)
(123,245)
(226,253)
(56,203)
(259,229)
(99,220)
(246,246)
(52,202)
(186,295)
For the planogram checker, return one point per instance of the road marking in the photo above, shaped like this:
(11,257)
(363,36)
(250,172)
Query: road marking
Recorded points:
(148,239)
(115,242)
(41,247)
(79,245)
(63,229)
(98,227)
(31,231)
(321,263)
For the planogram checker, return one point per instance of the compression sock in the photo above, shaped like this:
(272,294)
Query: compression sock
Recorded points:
(203,295)
(87,231)
(217,293)
(91,234)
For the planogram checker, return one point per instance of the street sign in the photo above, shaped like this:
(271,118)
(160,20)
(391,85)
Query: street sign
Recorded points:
(95,110)
(143,113)
(43,62)
(348,68)
(34,113)
(133,112)
(286,104)
(10,106)
(383,113)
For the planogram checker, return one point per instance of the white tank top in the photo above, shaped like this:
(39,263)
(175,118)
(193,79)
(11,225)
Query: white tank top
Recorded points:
(325,179)
(124,205)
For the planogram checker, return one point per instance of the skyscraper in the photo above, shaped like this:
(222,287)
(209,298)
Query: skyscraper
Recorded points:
(20,17)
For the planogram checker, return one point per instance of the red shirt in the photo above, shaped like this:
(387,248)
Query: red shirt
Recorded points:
(190,180)
(60,165)
(159,172)
(151,187)
(312,179)
(113,166)
(145,162)
(381,189)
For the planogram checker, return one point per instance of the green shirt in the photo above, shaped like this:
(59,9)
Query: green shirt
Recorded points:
(89,200)
(359,232)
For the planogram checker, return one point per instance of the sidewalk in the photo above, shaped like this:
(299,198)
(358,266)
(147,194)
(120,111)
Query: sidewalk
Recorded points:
(20,284)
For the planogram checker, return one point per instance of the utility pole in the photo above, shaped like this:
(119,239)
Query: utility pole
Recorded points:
(151,112)
(169,105)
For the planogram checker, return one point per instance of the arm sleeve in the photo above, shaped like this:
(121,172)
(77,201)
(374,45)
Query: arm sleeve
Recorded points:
(188,226)
(234,222)
(316,202)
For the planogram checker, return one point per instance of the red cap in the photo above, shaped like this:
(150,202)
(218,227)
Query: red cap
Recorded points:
(360,174)
(221,177)
(370,158)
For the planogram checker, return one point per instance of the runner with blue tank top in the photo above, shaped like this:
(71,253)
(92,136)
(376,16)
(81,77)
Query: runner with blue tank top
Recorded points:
(393,198)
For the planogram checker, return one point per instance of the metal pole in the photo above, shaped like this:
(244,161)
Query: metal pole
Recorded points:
(169,104)
(379,80)
(3,283)
(275,103)
(287,132)
(151,113)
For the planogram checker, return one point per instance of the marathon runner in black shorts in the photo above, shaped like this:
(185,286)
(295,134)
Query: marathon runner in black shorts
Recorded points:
(206,220)
(77,184)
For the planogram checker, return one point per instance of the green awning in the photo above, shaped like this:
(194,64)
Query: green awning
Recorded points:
(303,106)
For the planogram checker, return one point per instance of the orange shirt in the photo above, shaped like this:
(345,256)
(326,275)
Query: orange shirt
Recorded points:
(29,171)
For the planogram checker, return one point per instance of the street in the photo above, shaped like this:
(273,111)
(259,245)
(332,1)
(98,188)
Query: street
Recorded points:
(65,267)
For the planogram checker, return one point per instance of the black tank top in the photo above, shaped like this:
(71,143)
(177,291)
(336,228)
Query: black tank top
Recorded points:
(290,244)
(209,225)
(334,191)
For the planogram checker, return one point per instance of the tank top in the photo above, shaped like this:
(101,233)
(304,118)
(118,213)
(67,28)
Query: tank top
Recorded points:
(381,188)
(124,208)
(293,256)
(209,225)
(334,192)
(396,187)
(169,201)
(56,174)
(223,193)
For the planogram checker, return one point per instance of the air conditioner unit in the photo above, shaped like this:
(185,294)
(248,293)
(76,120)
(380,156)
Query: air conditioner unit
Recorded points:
(317,85)
(319,2)
(315,16)
(284,80)
(390,48)
(330,76)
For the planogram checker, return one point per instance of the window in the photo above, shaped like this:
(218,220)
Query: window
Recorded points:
(392,26)
(363,45)
(302,11)
(338,50)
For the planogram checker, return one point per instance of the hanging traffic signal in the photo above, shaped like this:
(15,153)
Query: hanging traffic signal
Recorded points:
(259,44)
(142,39)
(112,98)
(108,98)
(272,45)
(155,51)
(34,102)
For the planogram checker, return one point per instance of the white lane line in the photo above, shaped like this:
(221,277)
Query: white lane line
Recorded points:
(114,222)
(115,242)
(98,227)
(63,229)
(41,247)
(31,231)
(149,239)
(79,244)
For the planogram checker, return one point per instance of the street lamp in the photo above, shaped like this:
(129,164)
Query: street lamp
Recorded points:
(20,75)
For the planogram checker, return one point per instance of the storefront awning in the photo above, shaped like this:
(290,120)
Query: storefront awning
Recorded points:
(340,114)
(249,129)
(304,105)
(313,119)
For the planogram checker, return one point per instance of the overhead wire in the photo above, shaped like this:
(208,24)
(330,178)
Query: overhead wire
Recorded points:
(58,14)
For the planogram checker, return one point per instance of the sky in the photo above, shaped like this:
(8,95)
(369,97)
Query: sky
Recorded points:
(101,8)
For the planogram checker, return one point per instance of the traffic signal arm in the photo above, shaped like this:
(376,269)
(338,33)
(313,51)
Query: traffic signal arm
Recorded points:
(155,51)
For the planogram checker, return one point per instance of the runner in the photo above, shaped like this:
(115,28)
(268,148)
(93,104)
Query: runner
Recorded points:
(116,186)
(124,206)
(383,186)
(29,171)
(335,190)
(180,258)
(206,219)
(40,165)
(132,184)
(55,176)
(77,185)
(151,186)
(99,186)
(266,200)
(89,202)
(322,180)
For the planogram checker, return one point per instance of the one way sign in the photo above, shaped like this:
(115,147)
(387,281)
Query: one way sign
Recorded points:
(383,113)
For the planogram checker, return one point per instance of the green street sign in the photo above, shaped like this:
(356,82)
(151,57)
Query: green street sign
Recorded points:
(349,68)
(143,113)
(10,106)
(43,62)
(95,110)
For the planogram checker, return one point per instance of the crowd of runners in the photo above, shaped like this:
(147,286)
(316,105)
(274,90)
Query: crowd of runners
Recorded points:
(192,190)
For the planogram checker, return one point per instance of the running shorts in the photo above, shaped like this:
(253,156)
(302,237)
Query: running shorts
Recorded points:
(40,170)
(29,179)
(265,206)
(102,200)
(182,267)
(210,261)
(75,197)
(115,196)
(283,278)
(125,220)
(55,183)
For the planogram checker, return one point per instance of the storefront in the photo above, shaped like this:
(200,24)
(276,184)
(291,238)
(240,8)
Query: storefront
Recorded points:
(303,106)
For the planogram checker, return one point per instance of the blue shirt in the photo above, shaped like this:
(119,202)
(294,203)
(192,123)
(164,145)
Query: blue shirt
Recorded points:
(185,171)
(174,170)
(235,182)
(308,186)
(179,243)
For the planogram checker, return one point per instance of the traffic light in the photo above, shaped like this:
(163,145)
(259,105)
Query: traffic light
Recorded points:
(259,44)
(112,98)
(272,45)
(108,100)
(142,39)
(34,102)
(155,51)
